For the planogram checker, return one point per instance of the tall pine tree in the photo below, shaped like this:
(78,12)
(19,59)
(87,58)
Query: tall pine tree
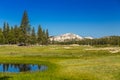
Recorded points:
(6,29)
(2,39)
(39,35)
(16,34)
(33,36)
(25,28)
(47,37)
(11,36)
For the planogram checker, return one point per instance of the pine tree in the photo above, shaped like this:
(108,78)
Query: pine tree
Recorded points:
(33,36)
(6,32)
(39,35)
(25,28)
(2,39)
(47,37)
(44,38)
(16,34)
(11,37)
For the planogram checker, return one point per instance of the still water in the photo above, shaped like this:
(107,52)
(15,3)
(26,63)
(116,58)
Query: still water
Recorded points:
(22,67)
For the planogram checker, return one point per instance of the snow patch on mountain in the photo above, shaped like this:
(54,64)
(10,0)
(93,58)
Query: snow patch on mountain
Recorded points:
(88,37)
(68,37)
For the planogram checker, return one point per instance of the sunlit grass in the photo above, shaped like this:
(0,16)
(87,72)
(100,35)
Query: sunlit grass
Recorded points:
(64,62)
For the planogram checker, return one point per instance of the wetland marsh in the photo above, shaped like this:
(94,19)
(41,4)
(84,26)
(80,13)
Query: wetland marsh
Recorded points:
(64,62)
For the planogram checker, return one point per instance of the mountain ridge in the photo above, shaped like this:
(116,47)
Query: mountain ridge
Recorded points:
(68,37)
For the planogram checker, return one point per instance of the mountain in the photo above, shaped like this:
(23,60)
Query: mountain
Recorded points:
(89,37)
(67,37)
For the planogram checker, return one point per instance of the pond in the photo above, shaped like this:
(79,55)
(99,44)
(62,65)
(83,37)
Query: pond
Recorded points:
(22,67)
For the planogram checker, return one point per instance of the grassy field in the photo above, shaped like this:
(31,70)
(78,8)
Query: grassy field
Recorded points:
(64,62)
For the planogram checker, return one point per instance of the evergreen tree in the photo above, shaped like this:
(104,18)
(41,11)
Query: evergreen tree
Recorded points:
(44,38)
(25,28)
(6,32)
(11,37)
(33,36)
(47,37)
(2,39)
(16,34)
(39,35)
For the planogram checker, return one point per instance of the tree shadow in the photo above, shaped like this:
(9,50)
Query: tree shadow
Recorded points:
(5,77)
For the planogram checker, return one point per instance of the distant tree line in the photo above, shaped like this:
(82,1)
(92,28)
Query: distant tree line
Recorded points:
(105,41)
(23,34)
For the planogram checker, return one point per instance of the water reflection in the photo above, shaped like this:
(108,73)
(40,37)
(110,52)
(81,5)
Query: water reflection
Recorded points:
(21,67)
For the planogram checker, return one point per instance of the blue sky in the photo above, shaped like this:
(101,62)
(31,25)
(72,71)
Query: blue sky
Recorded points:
(95,18)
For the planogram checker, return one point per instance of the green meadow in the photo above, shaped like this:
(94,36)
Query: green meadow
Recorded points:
(66,62)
